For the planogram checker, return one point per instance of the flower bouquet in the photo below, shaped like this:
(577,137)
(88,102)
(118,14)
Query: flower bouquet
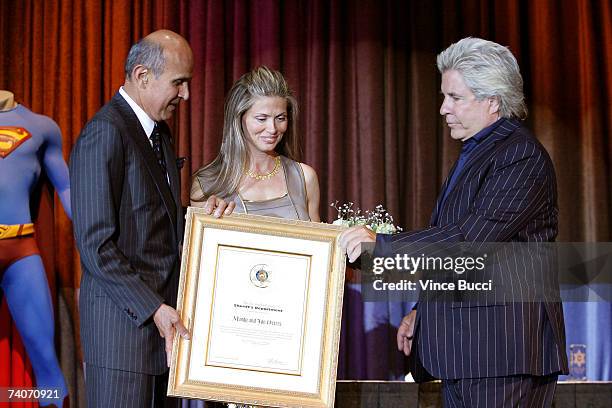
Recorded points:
(378,220)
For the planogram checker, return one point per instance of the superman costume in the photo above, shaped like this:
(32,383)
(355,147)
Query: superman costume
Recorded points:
(29,143)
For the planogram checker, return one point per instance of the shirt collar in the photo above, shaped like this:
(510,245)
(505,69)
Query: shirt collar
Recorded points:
(147,123)
(483,133)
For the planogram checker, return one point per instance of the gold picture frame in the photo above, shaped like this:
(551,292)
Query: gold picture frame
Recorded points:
(262,299)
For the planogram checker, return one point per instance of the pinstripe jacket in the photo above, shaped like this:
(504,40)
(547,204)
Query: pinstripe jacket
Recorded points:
(127,223)
(506,192)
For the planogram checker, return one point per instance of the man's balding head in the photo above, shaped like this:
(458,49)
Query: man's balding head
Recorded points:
(157,72)
(150,50)
(167,38)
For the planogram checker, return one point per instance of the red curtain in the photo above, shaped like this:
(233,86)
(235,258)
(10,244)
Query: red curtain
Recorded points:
(364,75)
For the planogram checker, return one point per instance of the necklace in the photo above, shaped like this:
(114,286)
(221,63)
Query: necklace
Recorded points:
(277,166)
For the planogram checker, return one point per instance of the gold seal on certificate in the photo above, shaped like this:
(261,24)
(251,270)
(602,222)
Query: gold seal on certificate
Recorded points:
(260,275)
(262,298)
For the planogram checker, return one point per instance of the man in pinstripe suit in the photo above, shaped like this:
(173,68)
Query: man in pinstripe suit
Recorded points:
(502,189)
(128,224)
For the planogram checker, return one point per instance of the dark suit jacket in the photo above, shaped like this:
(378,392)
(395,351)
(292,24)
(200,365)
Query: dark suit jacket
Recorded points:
(506,192)
(127,223)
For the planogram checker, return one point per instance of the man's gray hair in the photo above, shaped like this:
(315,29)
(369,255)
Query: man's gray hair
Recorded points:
(490,71)
(147,53)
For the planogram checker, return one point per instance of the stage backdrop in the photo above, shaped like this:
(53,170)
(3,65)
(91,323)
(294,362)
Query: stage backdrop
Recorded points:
(364,74)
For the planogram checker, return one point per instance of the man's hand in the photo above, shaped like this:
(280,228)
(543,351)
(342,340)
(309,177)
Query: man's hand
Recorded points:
(352,238)
(218,206)
(405,333)
(167,321)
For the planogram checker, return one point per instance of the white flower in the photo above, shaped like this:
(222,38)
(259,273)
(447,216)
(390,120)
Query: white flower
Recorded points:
(379,220)
(360,221)
(385,228)
(342,222)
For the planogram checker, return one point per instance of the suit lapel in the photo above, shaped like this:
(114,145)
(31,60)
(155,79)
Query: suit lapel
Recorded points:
(143,147)
(501,132)
(173,175)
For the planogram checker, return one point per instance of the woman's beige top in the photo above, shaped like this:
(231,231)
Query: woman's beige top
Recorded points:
(292,205)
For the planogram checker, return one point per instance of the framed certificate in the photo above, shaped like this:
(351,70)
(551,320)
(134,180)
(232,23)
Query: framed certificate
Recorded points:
(262,299)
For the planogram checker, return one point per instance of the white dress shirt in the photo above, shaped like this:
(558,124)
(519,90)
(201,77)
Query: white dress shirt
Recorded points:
(145,121)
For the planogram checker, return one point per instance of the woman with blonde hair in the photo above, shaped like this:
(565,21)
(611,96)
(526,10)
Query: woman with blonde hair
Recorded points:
(257,168)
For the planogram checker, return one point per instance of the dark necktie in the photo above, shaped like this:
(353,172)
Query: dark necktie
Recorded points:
(157,148)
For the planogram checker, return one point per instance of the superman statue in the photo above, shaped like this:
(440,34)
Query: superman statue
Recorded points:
(29,143)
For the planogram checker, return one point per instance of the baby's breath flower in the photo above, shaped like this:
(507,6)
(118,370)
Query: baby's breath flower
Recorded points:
(378,220)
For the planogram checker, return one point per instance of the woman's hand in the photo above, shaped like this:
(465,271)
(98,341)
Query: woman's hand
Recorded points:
(217,207)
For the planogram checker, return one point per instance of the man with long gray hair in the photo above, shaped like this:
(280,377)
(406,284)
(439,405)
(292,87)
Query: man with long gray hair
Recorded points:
(501,189)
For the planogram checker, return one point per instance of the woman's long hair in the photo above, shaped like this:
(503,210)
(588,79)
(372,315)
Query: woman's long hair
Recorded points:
(222,176)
